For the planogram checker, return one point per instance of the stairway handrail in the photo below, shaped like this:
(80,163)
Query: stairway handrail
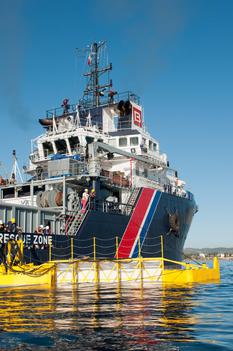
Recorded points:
(75,219)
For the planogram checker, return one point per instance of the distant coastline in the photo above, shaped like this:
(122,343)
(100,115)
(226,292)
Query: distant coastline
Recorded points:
(203,253)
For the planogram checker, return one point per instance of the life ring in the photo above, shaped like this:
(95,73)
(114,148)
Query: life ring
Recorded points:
(174,222)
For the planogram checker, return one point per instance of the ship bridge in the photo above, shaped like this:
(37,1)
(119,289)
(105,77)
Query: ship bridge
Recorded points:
(69,130)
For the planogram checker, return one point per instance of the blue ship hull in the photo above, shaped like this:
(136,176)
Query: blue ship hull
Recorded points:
(101,233)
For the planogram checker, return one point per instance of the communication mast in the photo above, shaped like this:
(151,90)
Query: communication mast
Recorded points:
(96,92)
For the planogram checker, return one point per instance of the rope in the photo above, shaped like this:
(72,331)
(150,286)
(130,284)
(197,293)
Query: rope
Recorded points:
(108,239)
(60,248)
(149,253)
(32,272)
(192,259)
(61,256)
(151,245)
(83,247)
(83,240)
(105,247)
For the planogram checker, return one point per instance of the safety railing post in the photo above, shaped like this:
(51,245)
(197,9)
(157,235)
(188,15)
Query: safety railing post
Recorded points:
(118,267)
(162,252)
(50,252)
(74,272)
(139,247)
(117,245)
(96,265)
(140,259)
(21,247)
(72,248)
(94,248)
(8,256)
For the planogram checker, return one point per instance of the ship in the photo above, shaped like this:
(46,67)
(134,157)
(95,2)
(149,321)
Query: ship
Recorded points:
(97,185)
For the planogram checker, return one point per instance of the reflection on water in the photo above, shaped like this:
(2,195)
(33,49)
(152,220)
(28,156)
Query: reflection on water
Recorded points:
(126,317)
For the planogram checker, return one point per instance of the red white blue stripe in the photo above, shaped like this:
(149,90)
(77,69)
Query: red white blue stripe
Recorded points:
(139,223)
(146,223)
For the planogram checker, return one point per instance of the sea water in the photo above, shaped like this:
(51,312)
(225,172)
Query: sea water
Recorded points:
(113,317)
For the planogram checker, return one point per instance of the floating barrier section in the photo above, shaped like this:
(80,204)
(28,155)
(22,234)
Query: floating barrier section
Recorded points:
(27,275)
(118,270)
(108,271)
(133,270)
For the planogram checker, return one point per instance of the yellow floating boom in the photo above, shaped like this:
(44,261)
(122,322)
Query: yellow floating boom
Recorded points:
(153,270)
(26,275)
(80,271)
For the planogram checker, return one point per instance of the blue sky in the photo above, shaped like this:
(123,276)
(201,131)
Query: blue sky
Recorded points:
(177,55)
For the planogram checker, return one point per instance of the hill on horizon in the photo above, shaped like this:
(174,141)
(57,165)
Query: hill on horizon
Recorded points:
(206,250)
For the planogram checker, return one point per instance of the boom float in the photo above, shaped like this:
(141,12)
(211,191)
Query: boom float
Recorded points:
(105,271)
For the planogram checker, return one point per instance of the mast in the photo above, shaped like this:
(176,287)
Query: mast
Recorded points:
(96,97)
(96,89)
(15,168)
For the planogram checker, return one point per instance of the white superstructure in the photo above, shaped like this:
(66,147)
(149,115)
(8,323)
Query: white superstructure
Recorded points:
(99,142)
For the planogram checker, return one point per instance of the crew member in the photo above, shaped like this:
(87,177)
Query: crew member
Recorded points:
(84,200)
(92,199)
(66,106)
(40,229)
(2,181)
(47,230)
(3,254)
(11,226)
(12,179)
(111,95)
(2,227)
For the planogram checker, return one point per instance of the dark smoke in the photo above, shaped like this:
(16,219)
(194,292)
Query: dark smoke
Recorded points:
(12,61)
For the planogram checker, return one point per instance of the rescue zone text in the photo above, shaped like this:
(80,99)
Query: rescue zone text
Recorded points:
(28,239)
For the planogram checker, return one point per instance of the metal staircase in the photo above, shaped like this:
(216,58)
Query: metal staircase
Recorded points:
(74,219)
(132,199)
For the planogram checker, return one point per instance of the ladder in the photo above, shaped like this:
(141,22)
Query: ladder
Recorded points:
(74,219)
(132,200)
(72,227)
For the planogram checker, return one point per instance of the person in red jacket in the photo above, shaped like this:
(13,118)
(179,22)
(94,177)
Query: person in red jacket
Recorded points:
(84,200)
(65,105)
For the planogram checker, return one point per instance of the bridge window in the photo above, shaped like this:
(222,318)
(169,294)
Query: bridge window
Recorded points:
(89,140)
(133,141)
(154,146)
(122,142)
(74,143)
(61,146)
(150,145)
(48,148)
